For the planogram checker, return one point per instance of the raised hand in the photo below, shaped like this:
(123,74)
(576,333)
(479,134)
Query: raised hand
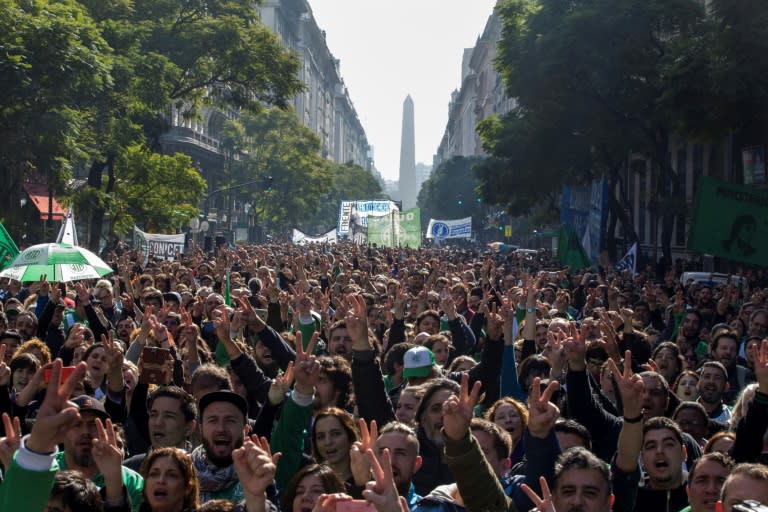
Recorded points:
(109,458)
(542,413)
(280,386)
(541,503)
(255,466)
(12,440)
(630,386)
(82,293)
(448,306)
(44,286)
(494,324)
(361,467)
(5,370)
(56,414)
(306,368)
(357,322)
(382,491)
(222,324)
(458,410)
(575,347)
(761,366)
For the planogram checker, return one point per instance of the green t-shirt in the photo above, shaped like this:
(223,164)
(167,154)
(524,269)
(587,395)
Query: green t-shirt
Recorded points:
(132,481)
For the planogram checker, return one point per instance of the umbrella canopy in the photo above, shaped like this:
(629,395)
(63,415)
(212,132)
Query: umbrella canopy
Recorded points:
(58,262)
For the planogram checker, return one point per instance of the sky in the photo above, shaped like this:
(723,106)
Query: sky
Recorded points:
(389,49)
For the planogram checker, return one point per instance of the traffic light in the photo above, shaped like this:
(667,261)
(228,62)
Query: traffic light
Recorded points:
(268,183)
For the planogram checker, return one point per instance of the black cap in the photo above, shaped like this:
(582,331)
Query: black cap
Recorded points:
(87,403)
(224,396)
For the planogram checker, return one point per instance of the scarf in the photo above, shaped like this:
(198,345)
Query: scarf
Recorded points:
(215,482)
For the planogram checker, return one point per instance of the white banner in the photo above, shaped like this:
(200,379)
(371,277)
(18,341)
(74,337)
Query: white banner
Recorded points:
(301,238)
(353,216)
(457,228)
(161,246)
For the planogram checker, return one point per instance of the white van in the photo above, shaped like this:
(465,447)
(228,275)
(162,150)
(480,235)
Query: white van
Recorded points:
(711,278)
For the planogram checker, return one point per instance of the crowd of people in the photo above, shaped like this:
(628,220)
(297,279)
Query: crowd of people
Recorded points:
(344,377)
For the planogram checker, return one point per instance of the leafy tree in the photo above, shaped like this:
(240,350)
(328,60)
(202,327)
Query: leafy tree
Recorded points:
(450,193)
(55,62)
(589,79)
(348,182)
(191,54)
(164,192)
(275,145)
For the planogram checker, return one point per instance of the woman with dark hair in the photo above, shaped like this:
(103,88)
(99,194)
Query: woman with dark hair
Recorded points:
(23,369)
(333,434)
(669,360)
(170,482)
(530,368)
(301,494)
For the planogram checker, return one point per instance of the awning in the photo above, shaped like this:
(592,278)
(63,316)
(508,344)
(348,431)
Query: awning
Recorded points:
(38,193)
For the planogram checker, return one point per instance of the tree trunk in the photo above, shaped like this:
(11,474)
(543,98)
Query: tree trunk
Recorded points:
(619,213)
(95,180)
(97,212)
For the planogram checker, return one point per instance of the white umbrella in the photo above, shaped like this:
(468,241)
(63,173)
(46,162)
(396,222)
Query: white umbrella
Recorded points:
(58,262)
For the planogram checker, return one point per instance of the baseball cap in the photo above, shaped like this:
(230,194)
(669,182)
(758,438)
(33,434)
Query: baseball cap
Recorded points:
(87,403)
(224,396)
(418,362)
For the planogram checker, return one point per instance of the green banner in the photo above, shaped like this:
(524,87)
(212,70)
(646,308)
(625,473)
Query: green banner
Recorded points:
(8,249)
(397,229)
(730,221)
(570,251)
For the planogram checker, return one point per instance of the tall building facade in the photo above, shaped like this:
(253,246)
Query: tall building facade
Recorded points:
(480,95)
(325,107)
(407,178)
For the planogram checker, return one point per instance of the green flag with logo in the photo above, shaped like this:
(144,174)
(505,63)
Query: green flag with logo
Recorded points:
(730,221)
(570,251)
(8,249)
(397,229)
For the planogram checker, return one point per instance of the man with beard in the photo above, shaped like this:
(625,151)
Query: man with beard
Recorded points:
(339,340)
(689,333)
(78,447)
(712,385)
(125,327)
(725,349)
(659,444)
(222,428)
(334,385)
(403,446)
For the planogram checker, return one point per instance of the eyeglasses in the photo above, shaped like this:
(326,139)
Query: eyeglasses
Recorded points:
(170,323)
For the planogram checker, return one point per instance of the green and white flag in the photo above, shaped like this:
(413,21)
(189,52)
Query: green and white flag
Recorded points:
(398,229)
(8,249)
(730,221)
